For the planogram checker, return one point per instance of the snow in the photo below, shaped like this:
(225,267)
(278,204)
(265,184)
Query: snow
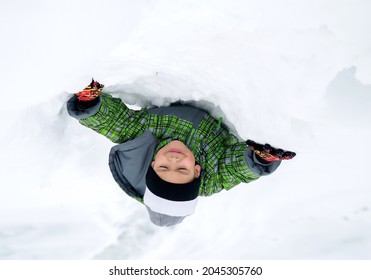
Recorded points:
(295,74)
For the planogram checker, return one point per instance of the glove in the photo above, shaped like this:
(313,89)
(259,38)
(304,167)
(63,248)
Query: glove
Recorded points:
(267,153)
(91,92)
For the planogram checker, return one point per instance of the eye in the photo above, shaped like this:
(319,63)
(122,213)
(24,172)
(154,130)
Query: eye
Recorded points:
(163,167)
(183,170)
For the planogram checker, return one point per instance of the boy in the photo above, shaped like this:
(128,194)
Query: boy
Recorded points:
(166,157)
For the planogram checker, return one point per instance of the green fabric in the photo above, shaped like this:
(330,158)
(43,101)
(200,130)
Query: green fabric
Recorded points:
(218,152)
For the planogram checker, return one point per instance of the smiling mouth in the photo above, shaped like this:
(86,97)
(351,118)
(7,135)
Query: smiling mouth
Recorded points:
(176,151)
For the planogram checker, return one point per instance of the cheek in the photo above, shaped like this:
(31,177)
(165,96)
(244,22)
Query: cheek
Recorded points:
(157,160)
(159,156)
(190,162)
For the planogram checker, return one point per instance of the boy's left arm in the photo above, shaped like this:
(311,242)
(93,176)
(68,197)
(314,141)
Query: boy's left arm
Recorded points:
(106,115)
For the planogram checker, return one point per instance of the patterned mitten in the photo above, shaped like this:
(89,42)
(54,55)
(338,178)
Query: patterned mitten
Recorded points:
(91,92)
(268,153)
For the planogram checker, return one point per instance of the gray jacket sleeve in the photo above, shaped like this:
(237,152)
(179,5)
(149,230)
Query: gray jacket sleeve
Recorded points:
(77,113)
(258,167)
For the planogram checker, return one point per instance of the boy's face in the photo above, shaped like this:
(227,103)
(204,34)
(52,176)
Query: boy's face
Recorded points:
(175,163)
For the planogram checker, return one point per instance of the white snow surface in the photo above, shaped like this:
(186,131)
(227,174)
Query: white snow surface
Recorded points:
(295,74)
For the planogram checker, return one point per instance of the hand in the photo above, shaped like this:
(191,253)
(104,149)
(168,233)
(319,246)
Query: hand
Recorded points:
(91,92)
(269,153)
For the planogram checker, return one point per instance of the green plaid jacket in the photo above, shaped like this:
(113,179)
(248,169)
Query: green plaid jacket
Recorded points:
(220,154)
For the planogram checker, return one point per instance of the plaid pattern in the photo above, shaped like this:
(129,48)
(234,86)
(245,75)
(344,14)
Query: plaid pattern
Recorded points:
(218,152)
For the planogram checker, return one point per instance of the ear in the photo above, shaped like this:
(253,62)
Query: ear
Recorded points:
(197,170)
(153,164)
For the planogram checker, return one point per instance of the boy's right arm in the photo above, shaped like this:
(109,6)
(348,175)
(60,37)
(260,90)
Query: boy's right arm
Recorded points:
(244,162)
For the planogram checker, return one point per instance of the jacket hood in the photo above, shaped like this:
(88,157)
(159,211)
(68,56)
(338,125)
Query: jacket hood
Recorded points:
(130,161)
